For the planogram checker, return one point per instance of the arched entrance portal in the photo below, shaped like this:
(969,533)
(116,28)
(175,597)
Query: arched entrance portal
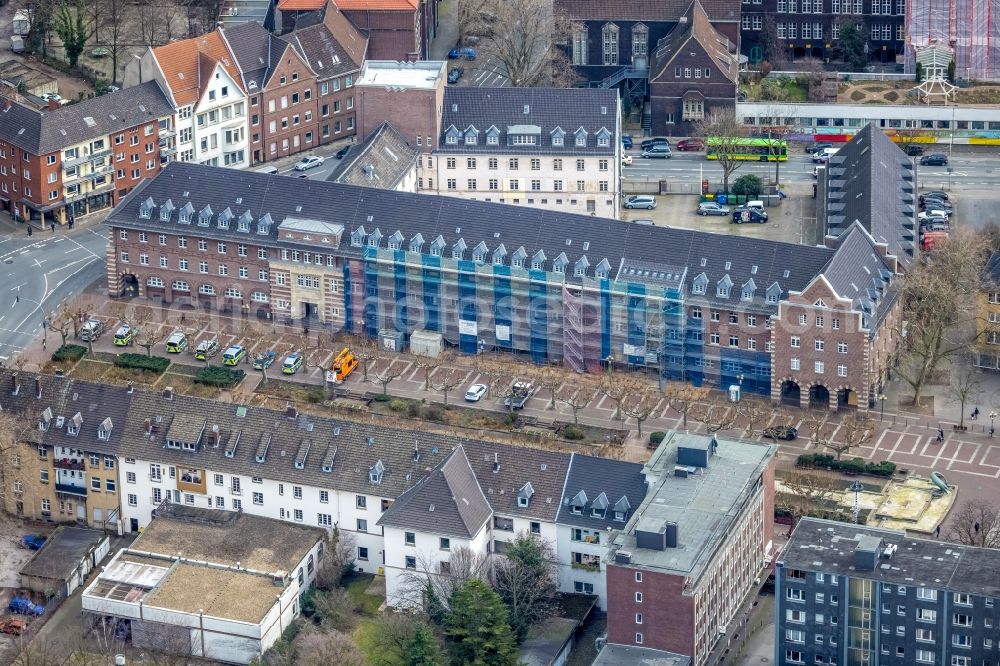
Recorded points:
(819,397)
(129,285)
(847,399)
(790,393)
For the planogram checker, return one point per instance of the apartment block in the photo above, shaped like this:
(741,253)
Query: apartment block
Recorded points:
(987,352)
(695,548)
(853,594)
(60,162)
(204,86)
(710,309)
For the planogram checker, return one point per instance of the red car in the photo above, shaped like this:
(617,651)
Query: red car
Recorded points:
(691,144)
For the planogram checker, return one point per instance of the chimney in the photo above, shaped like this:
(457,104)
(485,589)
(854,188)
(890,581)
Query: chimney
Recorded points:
(16,388)
(131,387)
(168,393)
(38,388)
(215,437)
(147,427)
(416,452)
(290,410)
(7,104)
(496,462)
(53,105)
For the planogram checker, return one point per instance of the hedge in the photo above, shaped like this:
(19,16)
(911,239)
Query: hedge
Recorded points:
(156,364)
(69,353)
(573,432)
(851,466)
(656,437)
(221,377)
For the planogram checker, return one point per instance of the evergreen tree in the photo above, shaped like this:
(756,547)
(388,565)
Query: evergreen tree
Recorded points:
(422,648)
(477,627)
(523,579)
(435,609)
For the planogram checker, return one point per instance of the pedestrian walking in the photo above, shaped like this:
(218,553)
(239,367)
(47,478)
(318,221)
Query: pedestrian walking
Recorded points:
(975,413)
(29,231)
(52,226)
(937,532)
(991,431)
(17,298)
(940,437)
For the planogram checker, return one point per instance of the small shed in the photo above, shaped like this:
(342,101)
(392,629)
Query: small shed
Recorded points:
(62,564)
(426,343)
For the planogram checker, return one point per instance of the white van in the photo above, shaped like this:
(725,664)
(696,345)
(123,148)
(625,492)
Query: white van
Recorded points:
(270,170)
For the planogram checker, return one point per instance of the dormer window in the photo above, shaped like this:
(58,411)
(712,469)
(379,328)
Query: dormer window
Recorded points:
(619,516)
(722,292)
(224,218)
(375,238)
(557,141)
(577,510)
(416,243)
(375,472)
(493,137)
(205,216)
(700,284)
(396,241)
(522,502)
(451,139)
(104,430)
(358,237)
(73,425)
(165,210)
(479,255)
(437,246)
(471,138)
(146,208)
(558,268)
(597,513)
(244,223)
(187,212)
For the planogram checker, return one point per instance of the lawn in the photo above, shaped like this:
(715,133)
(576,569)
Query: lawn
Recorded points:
(365,604)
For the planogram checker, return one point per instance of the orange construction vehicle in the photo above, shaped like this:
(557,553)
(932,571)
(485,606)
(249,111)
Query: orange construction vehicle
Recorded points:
(343,365)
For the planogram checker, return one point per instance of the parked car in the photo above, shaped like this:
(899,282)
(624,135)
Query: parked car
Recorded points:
(931,202)
(475,392)
(787,433)
(934,194)
(455,73)
(176,343)
(657,141)
(53,97)
(814,148)
(936,159)
(124,336)
(206,349)
(743,215)
(823,156)
(712,208)
(32,541)
(309,162)
(933,215)
(626,159)
(14,626)
(914,149)
(660,150)
(233,355)
(646,201)
(292,363)
(91,330)
(626,142)
(23,606)
(520,393)
(342,152)
(467,52)
(263,360)
(685,145)
(756,205)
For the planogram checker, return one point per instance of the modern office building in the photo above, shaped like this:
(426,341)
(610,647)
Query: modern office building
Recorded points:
(856,595)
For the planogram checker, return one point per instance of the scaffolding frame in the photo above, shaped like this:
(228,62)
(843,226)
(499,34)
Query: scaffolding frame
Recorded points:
(971,28)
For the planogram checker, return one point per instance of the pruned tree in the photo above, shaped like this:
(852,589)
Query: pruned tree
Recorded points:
(641,403)
(681,397)
(62,321)
(976,523)
(494,372)
(755,411)
(74,26)
(367,351)
(525,580)
(446,379)
(518,38)
(149,332)
(714,413)
(388,373)
(617,387)
(852,431)
(550,378)
(578,394)
(939,308)
(727,132)
(81,309)
(428,364)
(803,492)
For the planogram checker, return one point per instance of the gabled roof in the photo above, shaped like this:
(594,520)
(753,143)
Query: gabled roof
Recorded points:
(647,11)
(446,501)
(256,52)
(300,5)
(598,483)
(378,5)
(332,46)
(44,131)
(572,109)
(184,62)
(382,160)
(698,27)
(872,181)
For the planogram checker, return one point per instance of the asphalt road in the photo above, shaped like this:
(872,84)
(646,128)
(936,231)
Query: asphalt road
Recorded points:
(40,272)
(969,170)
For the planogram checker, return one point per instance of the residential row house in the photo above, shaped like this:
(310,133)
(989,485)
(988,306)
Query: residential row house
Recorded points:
(409,500)
(803,324)
(62,162)
(242,96)
(399,30)
(553,148)
(987,347)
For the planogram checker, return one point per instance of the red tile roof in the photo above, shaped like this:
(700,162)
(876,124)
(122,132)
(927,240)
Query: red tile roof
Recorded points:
(300,5)
(185,62)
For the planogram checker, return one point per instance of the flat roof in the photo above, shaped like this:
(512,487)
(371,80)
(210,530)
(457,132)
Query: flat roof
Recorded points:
(827,546)
(62,552)
(228,538)
(630,655)
(704,505)
(425,74)
(234,595)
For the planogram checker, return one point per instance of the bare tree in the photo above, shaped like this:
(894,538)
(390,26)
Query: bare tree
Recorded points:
(463,564)
(321,647)
(723,126)
(853,431)
(62,321)
(83,307)
(756,411)
(525,579)
(965,386)
(939,308)
(578,394)
(976,523)
(802,492)
(617,387)
(518,38)
(446,379)
(428,364)
(367,351)
(550,378)
(111,20)
(389,373)
(640,403)
(715,413)
(681,396)
(337,555)
(149,333)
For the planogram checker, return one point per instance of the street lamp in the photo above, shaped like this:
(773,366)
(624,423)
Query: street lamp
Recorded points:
(609,360)
(856,488)
(881,399)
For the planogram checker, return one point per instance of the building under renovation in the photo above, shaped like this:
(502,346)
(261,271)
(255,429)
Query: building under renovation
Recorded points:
(971,28)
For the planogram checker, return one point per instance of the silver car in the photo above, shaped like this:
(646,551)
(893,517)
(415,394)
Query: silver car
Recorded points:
(712,208)
(640,201)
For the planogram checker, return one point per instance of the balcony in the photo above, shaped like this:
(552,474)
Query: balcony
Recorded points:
(66,489)
(167,133)
(76,161)
(68,463)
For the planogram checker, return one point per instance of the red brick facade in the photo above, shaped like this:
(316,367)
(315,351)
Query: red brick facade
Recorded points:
(284,117)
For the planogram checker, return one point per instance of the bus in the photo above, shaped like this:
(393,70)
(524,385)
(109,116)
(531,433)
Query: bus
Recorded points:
(750,149)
